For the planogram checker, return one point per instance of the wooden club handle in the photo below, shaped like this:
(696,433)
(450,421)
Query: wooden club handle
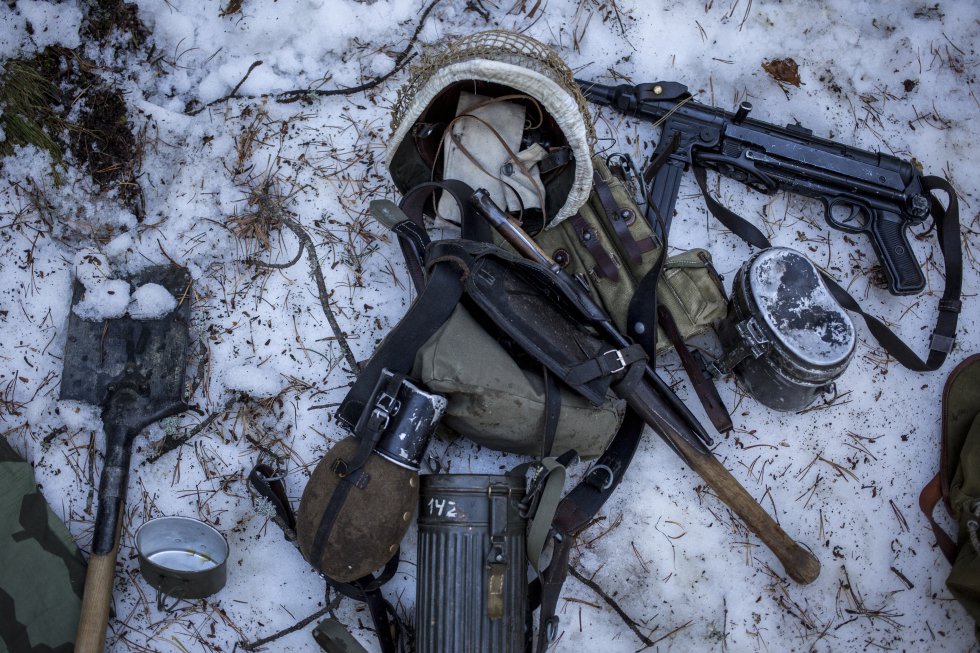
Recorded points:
(800,564)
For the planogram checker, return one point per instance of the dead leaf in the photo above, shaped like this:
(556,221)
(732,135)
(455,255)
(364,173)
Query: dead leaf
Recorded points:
(234,6)
(784,71)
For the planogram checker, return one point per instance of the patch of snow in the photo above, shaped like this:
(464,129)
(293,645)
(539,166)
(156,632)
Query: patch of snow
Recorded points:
(51,23)
(103,300)
(252,380)
(151,301)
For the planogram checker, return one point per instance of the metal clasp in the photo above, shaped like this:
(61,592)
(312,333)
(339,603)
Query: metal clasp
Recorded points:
(620,360)
(751,341)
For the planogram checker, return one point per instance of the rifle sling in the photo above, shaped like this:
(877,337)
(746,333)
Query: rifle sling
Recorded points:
(947,223)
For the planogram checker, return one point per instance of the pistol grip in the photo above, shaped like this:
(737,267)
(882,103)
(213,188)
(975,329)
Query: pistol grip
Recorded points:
(889,235)
(663,193)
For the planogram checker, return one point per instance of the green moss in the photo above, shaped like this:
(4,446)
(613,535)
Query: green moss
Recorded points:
(26,98)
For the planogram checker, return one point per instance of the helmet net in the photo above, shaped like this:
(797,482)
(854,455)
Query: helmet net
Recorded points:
(495,45)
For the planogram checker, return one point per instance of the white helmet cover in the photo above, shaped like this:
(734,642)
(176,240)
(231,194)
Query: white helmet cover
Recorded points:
(518,62)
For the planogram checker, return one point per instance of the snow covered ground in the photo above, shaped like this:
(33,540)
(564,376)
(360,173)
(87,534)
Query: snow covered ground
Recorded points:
(899,77)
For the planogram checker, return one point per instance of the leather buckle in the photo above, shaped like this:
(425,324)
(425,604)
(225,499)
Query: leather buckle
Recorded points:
(950,305)
(620,360)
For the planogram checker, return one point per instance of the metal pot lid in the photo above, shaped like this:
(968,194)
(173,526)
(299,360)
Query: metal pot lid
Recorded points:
(796,305)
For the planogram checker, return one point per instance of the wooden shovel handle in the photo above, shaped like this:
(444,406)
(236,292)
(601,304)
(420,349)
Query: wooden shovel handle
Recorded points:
(800,564)
(97,600)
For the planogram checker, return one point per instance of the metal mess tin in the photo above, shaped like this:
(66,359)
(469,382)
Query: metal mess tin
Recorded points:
(471,587)
(785,337)
(182,558)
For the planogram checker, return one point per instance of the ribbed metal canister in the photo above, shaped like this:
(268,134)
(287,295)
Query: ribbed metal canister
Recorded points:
(471,592)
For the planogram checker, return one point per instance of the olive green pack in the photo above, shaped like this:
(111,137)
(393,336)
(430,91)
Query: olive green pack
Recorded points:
(41,570)
(496,403)
(958,484)
(688,287)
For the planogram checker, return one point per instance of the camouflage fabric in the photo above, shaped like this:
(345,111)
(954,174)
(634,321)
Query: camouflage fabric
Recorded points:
(41,570)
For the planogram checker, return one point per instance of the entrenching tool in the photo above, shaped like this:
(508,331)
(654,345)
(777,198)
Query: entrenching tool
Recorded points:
(134,369)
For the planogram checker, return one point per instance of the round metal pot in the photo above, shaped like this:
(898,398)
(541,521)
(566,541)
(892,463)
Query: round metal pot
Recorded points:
(786,338)
(182,558)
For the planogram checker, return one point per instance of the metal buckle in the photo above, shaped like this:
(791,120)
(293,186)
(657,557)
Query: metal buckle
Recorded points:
(609,476)
(620,360)
(941,343)
(389,404)
(551,628)
(378,421)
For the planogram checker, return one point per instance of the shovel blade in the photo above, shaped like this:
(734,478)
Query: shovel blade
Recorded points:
(150,354)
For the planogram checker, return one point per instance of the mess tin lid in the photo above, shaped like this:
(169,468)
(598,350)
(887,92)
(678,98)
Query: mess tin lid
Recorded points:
(795,304)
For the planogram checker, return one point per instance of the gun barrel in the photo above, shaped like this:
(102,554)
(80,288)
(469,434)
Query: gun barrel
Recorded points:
(597,93)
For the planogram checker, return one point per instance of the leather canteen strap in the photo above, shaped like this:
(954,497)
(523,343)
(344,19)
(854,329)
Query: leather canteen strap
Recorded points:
(947,222)
(265,482)
(397,351)
(329,634)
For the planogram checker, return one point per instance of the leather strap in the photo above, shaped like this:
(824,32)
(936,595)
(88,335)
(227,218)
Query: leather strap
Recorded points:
(428,313)
(618,217)
(556,158)
(552,411)
(412,236)
(947,222)
(605,364)
(932,494)
(388,628)
(605,266)
(573,514)
(268,484)
(703,387)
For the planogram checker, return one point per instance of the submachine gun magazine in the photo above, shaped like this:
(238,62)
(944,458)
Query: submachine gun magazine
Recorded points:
(861,192)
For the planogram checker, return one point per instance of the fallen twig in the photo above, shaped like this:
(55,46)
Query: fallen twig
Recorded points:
(328,609)
(173,441)
(401,61)
(592,585)
(273,212)
(231,94)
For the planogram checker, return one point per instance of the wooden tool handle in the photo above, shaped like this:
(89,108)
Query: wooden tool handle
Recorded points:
(96,600)
(800,564)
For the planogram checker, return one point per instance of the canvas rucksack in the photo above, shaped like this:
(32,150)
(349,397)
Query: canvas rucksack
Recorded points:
(496,402)
(958,484)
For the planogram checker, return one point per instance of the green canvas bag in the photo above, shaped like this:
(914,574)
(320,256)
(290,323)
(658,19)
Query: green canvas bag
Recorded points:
(958,484)
(595,246)
(41,570)
(495,402)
